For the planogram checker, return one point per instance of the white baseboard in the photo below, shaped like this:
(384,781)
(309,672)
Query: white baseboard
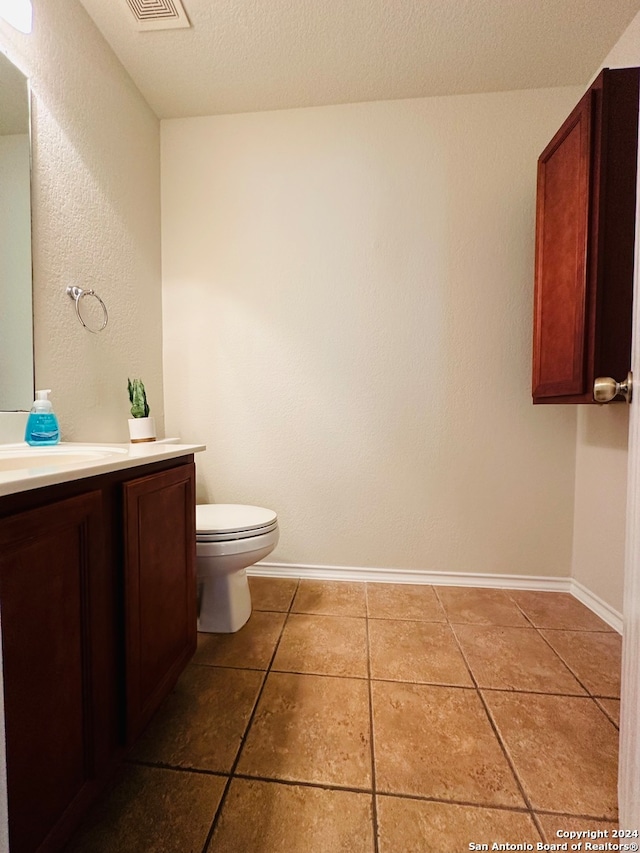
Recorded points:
(379,575)
(417,576)
(607,613)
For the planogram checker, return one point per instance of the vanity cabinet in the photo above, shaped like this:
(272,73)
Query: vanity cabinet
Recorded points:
(585,228)
(98,617)
(51,573)
(160,596)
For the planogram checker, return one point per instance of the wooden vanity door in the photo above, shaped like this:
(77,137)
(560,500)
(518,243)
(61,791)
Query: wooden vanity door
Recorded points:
(160,587)
(562,233)
(50,559)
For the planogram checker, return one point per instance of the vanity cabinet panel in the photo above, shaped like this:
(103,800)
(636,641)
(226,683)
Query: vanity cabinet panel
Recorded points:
(585,228)
(51,569)
(160,588)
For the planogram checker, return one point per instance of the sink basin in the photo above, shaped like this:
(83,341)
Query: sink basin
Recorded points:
(21,457)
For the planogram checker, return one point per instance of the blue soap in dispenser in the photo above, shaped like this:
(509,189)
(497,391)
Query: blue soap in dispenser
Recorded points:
(42,424)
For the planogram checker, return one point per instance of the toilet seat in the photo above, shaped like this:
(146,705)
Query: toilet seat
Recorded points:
(229,539)
(228,522)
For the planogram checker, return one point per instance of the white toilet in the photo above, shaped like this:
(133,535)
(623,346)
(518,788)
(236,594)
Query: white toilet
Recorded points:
(229,537)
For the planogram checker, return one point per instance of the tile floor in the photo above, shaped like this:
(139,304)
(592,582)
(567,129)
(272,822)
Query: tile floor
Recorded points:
(377,718)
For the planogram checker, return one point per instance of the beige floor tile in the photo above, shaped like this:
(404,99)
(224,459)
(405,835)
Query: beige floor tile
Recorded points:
(564,750)
(152,810)
(437,742)
(552,824)
(611,707)
(330,598)
(596,658)
(557,610)
(404,601)
(272,593)
(273,818)
(201,723)
(324,645)
(480,606)
(514,659)
(416,651)
(251,647)
(414,826)
(310,728)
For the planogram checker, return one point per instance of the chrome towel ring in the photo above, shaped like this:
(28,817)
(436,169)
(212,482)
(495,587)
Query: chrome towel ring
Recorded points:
(78,294)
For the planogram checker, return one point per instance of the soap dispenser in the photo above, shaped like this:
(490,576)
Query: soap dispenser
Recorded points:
(42,424)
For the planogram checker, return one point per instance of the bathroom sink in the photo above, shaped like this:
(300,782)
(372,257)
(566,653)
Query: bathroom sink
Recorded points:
(21,457)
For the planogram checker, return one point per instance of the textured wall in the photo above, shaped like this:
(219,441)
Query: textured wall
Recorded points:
(601,453)
(347,306)
(96,220)
(96,203)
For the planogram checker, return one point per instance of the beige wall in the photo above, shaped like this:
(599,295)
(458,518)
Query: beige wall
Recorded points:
(347,310)
(601,454)
(96,219)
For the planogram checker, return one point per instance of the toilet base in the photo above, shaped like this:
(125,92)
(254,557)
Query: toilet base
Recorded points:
(224,602)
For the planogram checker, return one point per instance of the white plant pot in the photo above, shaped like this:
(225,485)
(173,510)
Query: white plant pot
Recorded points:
(142,429)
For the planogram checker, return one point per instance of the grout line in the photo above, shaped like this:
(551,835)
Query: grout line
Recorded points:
(447,685)
(493,725)
(529,620)
(512,765)
(605,712)
(538,825)
(302,783)
(374,797)
(243,739)
(408,619)
(320,674)
(517,690)
(576,630)
(422,798)
(227,666)
(201,771)
(580,816)
(564,662)
(481,687)
(327,615)
(401,795)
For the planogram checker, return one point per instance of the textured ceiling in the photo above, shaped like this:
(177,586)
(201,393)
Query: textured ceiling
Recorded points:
(247,55)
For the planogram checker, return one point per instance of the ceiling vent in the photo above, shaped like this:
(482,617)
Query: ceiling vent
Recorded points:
(158,14)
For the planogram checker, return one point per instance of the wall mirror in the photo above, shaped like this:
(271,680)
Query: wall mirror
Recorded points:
(16,311)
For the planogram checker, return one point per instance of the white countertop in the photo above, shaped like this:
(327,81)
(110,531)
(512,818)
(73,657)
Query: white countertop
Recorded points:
(48,466)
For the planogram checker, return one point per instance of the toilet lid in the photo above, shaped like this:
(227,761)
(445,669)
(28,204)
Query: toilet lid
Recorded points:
(232,518)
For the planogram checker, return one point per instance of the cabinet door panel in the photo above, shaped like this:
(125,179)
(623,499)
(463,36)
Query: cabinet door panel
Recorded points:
(160,587)
(45,579)
(561,252)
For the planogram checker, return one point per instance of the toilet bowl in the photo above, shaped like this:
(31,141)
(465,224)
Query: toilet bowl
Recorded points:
(229,538)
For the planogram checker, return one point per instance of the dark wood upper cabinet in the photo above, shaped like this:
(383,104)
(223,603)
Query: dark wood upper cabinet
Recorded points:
(585,228)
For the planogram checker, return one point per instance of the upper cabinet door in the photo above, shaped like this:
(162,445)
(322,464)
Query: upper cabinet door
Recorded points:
(585,226)
(562,228)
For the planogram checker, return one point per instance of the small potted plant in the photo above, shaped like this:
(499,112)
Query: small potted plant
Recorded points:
(141,426)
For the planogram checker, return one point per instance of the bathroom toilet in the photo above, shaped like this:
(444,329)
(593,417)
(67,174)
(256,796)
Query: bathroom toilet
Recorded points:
(229,538)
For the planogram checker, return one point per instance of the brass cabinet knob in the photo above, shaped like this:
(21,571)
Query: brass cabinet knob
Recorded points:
(606,389)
